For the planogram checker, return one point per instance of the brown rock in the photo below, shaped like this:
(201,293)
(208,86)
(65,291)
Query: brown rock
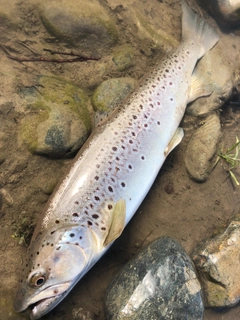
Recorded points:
(217,261)
(202,147)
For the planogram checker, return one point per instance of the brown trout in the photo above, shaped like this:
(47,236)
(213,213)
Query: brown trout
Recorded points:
(112,174)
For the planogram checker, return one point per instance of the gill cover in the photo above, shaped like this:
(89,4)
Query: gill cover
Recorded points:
(54,272)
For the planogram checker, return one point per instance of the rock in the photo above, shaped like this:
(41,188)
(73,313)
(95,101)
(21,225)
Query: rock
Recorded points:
(9,16)
(109,94)
(123,57)
(214,69)
(81,23)
(159,283)
(58,119)
(2,147)
(1,201)
(144,24)
(202,147)
(225,11)
(81,314)
(217,261)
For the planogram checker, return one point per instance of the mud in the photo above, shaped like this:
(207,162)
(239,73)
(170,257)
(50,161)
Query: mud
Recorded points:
(175,206)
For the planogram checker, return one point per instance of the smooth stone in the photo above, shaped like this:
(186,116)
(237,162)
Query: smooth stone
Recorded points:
(214,69)
(109,94)
(57,121)
(217,261)
(146,27)
(123,57)
(81,23)
(9,15)
(112,92)
(159,283)
(202,147)
(227,12)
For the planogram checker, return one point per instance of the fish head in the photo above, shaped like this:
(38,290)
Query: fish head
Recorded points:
(55,263)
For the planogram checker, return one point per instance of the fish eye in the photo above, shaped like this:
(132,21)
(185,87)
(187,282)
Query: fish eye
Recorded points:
(37,279)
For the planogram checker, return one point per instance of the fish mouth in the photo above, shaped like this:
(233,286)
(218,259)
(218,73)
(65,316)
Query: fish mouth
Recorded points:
(42,302)
(42,307)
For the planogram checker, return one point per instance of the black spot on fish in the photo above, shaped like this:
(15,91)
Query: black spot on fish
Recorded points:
(89,223)
(95,216)
(72,235)
(110,188)
(75,214)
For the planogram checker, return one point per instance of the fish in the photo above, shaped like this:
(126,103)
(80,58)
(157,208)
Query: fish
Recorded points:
(112,173)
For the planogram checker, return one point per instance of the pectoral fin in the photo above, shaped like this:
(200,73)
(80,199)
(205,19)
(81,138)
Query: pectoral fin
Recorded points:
(176,139)
(118,222)
(200,86)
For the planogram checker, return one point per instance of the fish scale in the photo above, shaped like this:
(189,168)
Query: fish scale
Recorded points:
(112,174)
(117,155)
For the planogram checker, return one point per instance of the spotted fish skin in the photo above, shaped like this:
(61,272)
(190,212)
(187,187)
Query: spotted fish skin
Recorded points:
(111,175)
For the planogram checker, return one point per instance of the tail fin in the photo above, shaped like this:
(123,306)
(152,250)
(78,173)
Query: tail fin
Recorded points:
(197,30)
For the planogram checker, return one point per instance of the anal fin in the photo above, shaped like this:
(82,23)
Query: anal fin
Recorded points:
(200,86)
(118,222)
(176,139)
